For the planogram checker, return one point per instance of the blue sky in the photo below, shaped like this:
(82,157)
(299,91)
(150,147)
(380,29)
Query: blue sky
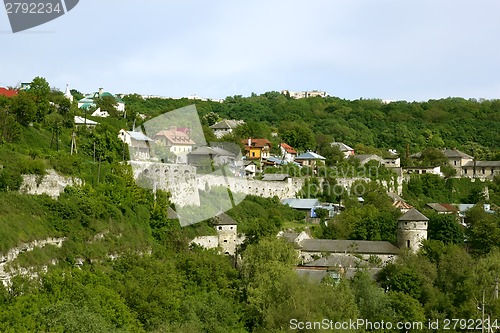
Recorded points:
(388,49)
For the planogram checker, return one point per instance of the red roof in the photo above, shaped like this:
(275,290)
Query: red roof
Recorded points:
(257,143)
(288,148)
(7,92)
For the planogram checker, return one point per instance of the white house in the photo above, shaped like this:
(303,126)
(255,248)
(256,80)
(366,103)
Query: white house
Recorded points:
(138,143)
(288,152)
(100,114)
(177,141)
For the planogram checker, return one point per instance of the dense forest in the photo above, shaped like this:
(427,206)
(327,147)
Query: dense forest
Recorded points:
(125,266)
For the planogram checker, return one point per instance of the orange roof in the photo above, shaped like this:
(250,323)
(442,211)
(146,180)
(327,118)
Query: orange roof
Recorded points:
(175,137)
(8,92)
(288,148)
(257,143)
(402,205)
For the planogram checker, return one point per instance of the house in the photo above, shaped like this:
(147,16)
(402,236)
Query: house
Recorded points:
(457,159)
(177,141)
(227,238)
(216,155)
(463,208)
(333,209)
(100,114)
(345,149)
(399,202)
(138,143)
(365,158)
(305,205)
(250,168)
(89,100)
(481,169)
(273,161)
(391,160)
(310,159)
(80,121)
(417,170)
(7,92)
(225,126)
(311,249)
(288,152)
(304,94)
(257,149)
(443,208)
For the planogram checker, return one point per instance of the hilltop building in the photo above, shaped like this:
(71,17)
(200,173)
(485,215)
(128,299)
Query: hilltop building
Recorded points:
(304,94)
(67,94)
(89,100)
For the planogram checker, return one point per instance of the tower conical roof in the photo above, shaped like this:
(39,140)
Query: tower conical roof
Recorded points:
(413,215)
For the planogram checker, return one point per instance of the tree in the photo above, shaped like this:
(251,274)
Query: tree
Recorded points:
(39,90)
(483,233)
(297,135)
(24,108)
(432,157)
(107,103)
(445,228)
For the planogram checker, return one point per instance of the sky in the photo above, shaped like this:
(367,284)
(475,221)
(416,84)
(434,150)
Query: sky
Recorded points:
(387,49)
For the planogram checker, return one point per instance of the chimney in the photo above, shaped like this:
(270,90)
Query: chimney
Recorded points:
(101,90)
(249,142)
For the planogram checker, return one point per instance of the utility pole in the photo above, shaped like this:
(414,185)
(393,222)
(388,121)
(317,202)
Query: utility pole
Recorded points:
(99,177)
(73,143)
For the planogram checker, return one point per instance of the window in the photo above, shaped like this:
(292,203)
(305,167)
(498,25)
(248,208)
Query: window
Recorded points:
(225,240)
(454,162)
(482,170)
(253,154)
(465,171)
(408,243)
(220,228)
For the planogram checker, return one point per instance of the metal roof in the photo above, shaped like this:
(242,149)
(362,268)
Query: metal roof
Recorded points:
(413,215)
(348,246)
(224,219)
(227,124)
(455,153)
(139,136)
(483,164)
(310,156)
(342,146)
(301,203)
(81,121)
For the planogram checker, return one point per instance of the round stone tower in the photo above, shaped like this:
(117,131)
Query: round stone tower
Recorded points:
(227,233)
(412,230)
